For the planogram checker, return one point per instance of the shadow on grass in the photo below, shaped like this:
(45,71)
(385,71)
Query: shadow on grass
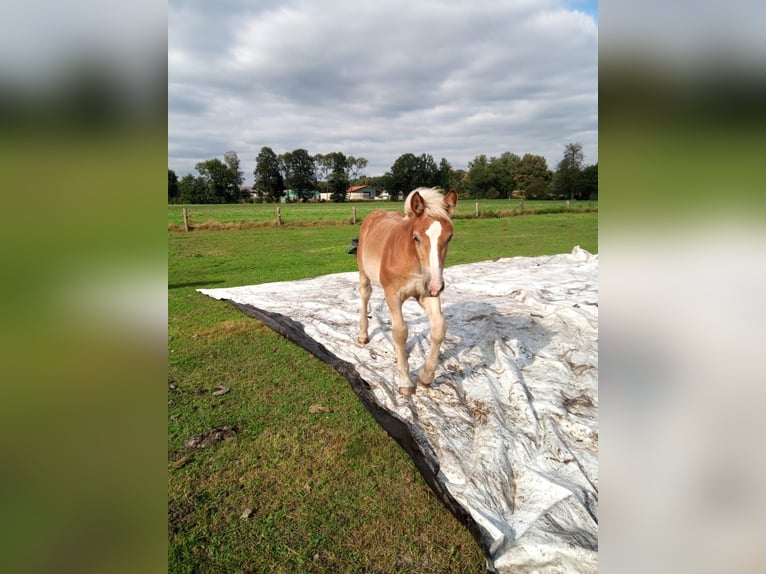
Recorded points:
(193,284)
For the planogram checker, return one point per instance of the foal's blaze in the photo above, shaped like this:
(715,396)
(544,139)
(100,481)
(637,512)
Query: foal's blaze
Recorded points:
(405,255)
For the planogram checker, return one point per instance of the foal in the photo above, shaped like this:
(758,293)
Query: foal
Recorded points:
(405,255)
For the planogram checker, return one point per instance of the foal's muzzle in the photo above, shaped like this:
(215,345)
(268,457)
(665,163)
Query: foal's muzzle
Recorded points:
(434,290)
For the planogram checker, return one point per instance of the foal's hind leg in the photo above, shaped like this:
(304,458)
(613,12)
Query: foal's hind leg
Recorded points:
(365,290)
(433,308)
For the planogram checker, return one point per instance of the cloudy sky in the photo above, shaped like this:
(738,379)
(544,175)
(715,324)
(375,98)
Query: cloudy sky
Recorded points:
(453,79)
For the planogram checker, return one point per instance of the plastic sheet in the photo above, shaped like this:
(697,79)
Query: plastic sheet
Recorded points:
(507,435)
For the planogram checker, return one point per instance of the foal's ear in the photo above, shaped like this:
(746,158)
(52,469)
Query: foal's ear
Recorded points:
(417,204)
(450,201)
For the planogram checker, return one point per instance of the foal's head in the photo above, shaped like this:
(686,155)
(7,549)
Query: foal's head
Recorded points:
(429,212)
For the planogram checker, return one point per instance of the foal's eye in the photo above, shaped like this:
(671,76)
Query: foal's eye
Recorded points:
(417,239)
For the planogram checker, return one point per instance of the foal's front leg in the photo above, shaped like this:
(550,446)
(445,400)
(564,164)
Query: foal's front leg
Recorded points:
(433,308)
(365,290)
(399,331)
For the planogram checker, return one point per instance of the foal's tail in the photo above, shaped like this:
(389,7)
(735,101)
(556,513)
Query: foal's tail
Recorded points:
(354,244)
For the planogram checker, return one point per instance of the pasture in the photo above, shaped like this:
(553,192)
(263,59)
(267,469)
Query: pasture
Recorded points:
(284,486)
(248,215)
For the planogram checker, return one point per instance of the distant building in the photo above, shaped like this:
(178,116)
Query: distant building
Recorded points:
(361,193)
(292,196)
(385,196)
(354,193)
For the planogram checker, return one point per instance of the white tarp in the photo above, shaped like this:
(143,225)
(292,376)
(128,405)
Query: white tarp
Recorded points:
(512,415)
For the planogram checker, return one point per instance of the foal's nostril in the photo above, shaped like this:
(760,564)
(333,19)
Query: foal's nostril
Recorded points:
(433,286)
(435,291)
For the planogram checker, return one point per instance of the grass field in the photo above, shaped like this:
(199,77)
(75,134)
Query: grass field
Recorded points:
(290,490)
(257,214)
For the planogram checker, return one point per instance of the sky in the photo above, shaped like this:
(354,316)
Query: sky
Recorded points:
(453,79)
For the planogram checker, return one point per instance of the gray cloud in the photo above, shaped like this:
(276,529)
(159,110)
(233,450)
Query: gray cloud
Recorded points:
(378,80)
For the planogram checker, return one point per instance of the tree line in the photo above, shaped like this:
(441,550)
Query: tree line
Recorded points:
(505,176)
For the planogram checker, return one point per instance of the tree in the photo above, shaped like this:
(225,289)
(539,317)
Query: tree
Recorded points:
(492,178)
(323,167)
(354,167)
(232,162)
(186,189)
(480,178)
(403,174)
(269,183)
(172,186)
(220,180)
(568,170)
(299,172)
(537,189)
(504,173)
(445,175)
(427,174)
(410,171)
(338,183)
(193,190)
(532,176)
(461,183)
(586,186)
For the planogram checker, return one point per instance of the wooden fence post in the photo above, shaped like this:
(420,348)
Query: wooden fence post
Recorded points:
(186,220)
(353,214)
(279,216)
(477,209)
(567,204)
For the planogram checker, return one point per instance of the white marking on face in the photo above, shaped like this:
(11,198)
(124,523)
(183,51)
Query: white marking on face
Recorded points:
(434,231)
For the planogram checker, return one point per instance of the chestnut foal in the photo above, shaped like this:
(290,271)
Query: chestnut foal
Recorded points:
(405,255)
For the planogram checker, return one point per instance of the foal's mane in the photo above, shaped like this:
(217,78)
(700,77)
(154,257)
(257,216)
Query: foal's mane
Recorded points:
(433,199)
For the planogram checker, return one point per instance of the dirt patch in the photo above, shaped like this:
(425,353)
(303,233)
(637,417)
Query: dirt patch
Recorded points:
(224,329)
(211,437)
(181,462)
(179,514)
(581,405)
(479,411)
(314,409)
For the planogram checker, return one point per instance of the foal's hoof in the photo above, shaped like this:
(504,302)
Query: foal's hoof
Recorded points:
(426,382)
(406,391)
(363,340)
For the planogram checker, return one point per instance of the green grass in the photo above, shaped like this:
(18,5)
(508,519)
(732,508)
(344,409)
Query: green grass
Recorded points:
(328,492)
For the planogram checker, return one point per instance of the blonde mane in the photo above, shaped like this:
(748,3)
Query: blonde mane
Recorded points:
(434,200)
